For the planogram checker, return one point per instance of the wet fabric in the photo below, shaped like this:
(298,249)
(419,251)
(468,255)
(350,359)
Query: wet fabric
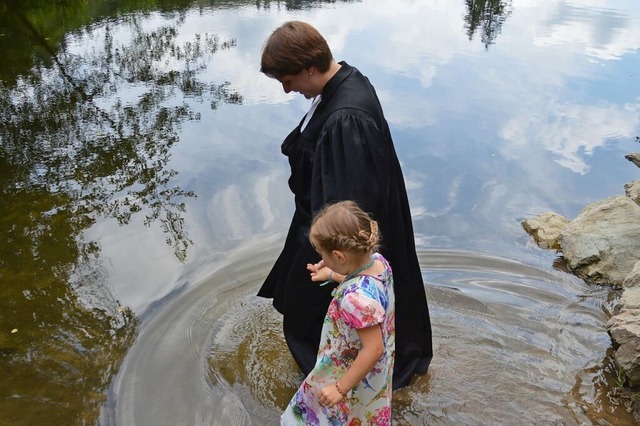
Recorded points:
(346,153)
(361,302)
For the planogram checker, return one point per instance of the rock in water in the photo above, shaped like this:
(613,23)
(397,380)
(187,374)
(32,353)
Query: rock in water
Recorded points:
(634,158)
(546,229)
(602,244)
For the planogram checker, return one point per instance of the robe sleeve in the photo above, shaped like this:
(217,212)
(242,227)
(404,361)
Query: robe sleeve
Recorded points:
(350,153)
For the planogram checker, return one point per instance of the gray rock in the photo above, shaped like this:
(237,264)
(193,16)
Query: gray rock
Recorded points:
(624,327)
(602,244)
(632,189)
(634,158)
(629,300)
(633,279)
(546,229)
(624,330)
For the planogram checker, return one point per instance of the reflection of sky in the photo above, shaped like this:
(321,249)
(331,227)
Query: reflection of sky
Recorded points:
(487,137)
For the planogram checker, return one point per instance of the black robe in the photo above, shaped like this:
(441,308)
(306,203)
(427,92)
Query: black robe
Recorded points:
(346,153)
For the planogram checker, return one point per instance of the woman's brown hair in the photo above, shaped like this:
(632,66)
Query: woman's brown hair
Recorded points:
(292,47)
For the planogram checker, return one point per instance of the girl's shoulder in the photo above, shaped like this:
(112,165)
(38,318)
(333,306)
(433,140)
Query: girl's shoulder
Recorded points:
(370,285)
(368,279)
(385,262)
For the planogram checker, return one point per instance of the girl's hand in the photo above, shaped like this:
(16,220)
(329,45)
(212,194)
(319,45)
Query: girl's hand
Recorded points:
(313,267)
(329,395)
(320,273)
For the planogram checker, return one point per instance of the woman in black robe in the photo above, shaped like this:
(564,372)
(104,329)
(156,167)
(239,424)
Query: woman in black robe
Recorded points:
(341,150)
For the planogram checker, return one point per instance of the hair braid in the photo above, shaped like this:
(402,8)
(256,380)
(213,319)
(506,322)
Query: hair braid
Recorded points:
(345,226)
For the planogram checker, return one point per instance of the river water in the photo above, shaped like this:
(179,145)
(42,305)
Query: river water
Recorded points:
(145,199)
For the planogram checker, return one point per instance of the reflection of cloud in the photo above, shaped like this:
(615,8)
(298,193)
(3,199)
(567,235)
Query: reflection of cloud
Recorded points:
(262,191)
(605,33)
(403,109)
(452,95)
(570,131)
(451,192)
(424,67)
(424,37)
(417,39)
(225,208)
(248,206)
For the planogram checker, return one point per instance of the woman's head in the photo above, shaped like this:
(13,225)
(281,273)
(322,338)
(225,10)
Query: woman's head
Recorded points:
(293,47)
(345,227)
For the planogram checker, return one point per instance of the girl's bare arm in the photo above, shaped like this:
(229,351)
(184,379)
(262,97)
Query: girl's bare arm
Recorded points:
(369,354)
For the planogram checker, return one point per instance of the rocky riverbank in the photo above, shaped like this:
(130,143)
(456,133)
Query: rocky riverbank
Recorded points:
(602,246)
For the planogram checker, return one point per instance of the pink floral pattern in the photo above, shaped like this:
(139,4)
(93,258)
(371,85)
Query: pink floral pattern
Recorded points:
(361,302)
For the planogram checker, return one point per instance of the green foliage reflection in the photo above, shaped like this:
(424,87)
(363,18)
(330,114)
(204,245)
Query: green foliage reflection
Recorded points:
(107,154)
(85,133)
(486,17)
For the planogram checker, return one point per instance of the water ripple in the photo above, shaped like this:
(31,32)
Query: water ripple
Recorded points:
(511,341)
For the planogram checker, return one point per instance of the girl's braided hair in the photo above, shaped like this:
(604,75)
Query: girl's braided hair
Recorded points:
(344,226)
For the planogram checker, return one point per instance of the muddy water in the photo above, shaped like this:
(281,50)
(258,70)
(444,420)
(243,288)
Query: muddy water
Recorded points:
(511,342)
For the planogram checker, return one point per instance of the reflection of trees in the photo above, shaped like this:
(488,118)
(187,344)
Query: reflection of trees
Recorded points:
(54,19)
(110,155)
(295,4)
(84,135)
(488,16)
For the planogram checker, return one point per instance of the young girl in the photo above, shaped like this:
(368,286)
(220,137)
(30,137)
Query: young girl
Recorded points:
(351,381)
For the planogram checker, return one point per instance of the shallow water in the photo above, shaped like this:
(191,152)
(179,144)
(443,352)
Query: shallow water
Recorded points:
(144,198)
(511,342)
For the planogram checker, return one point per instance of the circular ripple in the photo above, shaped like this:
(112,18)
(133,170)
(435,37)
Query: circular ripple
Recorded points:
(511,342)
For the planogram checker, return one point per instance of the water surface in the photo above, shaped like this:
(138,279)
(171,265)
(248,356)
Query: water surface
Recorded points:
(144,198)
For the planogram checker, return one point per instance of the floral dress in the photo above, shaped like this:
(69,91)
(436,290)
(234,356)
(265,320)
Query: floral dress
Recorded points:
(360,302)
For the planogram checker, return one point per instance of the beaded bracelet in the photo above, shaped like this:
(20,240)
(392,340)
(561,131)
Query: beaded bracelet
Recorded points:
(329,281)
(343,393)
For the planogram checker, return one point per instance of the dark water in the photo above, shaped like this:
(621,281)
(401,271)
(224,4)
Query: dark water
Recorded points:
(144,199)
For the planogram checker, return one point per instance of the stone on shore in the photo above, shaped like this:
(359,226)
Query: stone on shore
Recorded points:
(602,244)
(633,279)
(634,158)
(630,298)
(624,330)
(546,229)
(632,189)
